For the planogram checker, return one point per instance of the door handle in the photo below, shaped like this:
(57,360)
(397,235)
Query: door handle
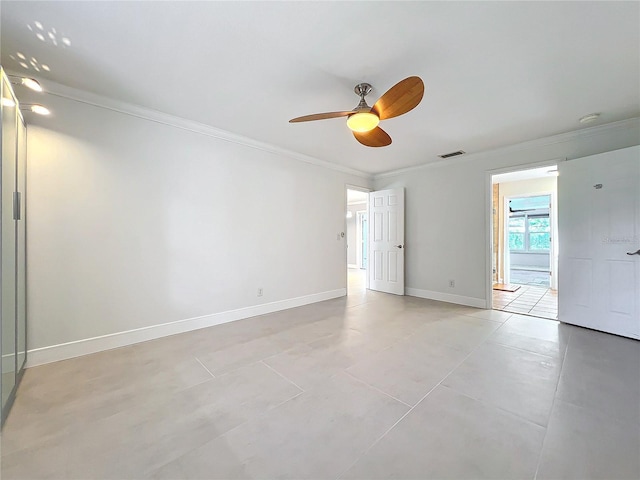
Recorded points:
(400,246)
(637,252)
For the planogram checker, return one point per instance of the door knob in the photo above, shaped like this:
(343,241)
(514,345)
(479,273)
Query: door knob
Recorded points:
(400,246)
(637,252)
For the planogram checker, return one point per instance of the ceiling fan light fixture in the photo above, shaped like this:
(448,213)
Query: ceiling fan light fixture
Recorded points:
(363,121)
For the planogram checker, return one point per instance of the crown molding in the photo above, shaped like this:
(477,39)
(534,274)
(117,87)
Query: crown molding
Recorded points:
(77,95)
(82,96)
(631,123)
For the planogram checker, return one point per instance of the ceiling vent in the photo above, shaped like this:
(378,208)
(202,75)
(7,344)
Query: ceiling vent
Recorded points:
(452,154)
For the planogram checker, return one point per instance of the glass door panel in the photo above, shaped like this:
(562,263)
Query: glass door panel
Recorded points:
(21,268)
(9,144)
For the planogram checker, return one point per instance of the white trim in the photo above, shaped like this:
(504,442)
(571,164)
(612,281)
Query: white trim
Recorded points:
(358,188)
(352,265)
(59,90)
(552,162)
(63,91)
(54,353)
(629,124)
(446,297)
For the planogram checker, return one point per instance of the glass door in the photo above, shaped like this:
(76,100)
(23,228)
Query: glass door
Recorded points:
(8,234)
(21,234)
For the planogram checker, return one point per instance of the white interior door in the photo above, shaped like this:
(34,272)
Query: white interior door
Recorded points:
(599,227)
(386,241)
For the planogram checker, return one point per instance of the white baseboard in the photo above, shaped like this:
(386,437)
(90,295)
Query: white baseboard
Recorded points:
(63,351)
(447,297)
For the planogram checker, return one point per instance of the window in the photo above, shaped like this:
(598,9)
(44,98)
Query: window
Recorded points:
(517,230)
(529,232)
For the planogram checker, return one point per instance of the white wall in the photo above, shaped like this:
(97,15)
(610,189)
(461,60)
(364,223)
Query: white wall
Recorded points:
(447,208)
(133,224)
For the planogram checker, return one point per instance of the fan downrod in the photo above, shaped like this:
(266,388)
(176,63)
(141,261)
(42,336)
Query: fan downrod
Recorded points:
(362,90)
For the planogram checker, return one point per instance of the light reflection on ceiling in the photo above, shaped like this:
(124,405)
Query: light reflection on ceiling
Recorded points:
(50,35)
(29,64)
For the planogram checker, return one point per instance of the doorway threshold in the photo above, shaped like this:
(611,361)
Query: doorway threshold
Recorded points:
(528,300)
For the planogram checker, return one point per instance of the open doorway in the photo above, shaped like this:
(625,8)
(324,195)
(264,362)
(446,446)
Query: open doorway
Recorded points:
(357,239)
(525,242)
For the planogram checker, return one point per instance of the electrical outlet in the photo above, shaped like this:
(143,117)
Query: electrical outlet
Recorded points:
(452,283)
(260,292)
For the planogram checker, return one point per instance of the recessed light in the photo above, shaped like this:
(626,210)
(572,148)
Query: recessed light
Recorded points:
(7,102)
(40,110)
(32,84)
(589,118)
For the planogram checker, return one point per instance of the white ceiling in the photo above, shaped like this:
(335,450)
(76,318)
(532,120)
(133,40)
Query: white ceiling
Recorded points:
(496,73)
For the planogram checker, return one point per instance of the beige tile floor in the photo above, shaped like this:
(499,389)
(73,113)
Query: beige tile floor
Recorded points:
(365,386)
(528,300)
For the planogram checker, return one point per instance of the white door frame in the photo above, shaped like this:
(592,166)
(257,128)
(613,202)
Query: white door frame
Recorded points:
(553,251)
(359,188)
(489,218)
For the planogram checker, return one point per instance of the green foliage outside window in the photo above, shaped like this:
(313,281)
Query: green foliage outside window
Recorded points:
(516,241)
(530,233)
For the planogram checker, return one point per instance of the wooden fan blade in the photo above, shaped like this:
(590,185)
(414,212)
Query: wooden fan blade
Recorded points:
(320,116)
(373,138)
(399,99)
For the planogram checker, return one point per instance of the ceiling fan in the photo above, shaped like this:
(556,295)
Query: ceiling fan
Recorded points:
(363,120)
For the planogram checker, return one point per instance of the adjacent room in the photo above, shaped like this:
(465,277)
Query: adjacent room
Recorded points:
(320,240)
(357,241)
(525,242)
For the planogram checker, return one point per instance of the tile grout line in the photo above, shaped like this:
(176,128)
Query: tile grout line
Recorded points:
(511,347)
(376,389)
(339,477)
(204,366)
(281,375)
(553,404)
(488,404)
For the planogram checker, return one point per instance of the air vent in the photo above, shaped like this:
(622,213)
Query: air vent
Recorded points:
(452,154)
